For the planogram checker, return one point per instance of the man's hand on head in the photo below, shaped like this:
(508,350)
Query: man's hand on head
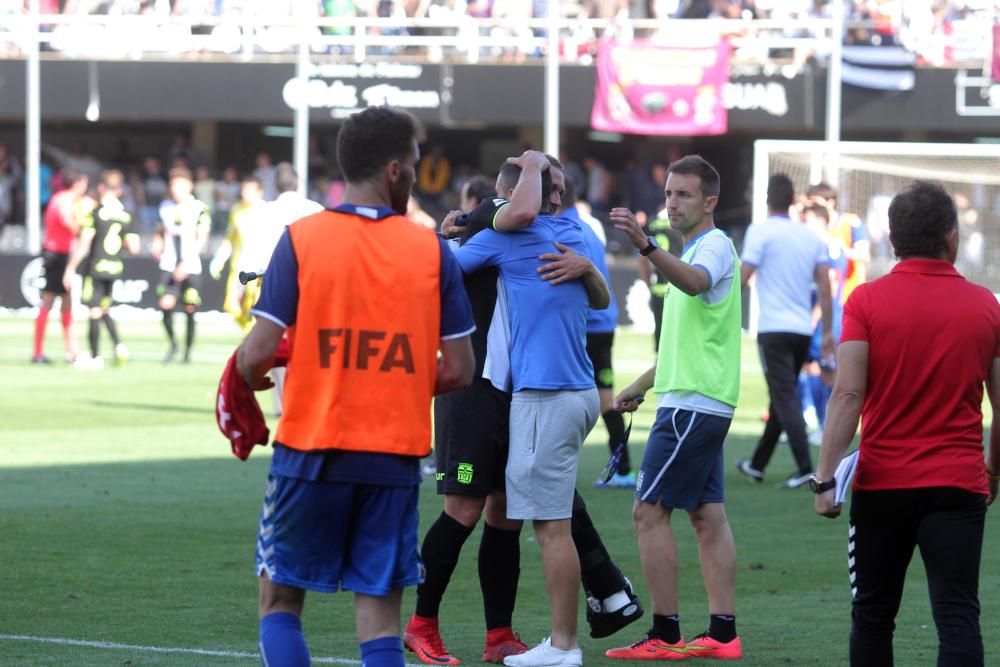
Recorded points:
(564,265)
(530,158)
(449,229)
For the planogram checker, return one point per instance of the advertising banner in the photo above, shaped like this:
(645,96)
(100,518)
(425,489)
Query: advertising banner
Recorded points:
(22,278)
(648,88)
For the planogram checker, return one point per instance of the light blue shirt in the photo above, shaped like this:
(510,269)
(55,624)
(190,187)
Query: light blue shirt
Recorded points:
(548,323)
(598,321)
(785,255)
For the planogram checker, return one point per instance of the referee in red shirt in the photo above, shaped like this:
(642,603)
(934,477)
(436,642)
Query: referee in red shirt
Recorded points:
(916,349)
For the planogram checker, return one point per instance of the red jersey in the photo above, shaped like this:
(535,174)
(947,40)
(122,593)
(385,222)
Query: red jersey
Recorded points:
(932,337)
(58,234)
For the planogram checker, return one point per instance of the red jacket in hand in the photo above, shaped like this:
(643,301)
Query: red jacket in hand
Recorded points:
(236,409)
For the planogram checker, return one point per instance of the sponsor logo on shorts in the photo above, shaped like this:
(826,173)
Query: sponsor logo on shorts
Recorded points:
(638,481)
(465,473)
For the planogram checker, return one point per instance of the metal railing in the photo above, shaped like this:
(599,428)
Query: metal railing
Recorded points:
(455,38)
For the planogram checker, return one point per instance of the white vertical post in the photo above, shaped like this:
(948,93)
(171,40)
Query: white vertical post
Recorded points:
(552,81)
(833,94)
(301,149)
(33,143)
(761,174)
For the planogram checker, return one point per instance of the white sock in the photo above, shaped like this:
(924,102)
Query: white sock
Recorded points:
(615,602)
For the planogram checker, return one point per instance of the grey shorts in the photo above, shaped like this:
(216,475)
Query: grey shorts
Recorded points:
(547,429)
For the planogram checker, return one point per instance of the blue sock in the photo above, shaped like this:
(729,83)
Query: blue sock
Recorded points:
(382,652)
(826,392)
(816,390)
(282,643)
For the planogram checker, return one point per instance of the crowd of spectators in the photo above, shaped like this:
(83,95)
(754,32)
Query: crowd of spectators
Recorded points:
(940,32)
(635,184)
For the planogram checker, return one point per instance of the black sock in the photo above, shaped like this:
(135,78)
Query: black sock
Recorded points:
(168,324)
(440,551)
(112,328)
(615,424)
(94,334)
(722,627)
(599,574)
(190,335)
(667,628)
(499,570)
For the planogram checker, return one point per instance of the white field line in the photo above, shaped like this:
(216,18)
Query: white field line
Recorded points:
(160,649)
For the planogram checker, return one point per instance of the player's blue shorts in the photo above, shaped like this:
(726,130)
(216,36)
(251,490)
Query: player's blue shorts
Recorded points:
(325,536)
(682,466)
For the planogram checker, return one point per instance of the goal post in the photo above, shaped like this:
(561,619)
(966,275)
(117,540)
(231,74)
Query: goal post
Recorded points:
(868,174)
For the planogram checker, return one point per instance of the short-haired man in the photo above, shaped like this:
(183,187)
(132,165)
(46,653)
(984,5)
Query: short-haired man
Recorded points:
(471,450)
(245,224)
(850,231)
(917,347)
(554,403)
(475,191)
(62,224)
(787,258)
(697,375)
(104,232)
(340,509)
(185,223)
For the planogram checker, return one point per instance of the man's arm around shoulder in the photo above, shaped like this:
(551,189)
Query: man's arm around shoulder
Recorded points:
(566,265)
(456,365)
(526,201)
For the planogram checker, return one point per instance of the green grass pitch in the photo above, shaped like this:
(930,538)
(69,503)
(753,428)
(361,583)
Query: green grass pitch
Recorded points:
(124,519)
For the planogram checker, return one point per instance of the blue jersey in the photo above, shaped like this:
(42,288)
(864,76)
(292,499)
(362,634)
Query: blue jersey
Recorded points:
(548,322)
(598,321)
(279,303)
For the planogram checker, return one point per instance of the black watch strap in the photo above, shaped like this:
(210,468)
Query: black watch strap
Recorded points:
(821,487)
(650,247)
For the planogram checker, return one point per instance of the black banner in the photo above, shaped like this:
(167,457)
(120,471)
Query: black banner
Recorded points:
(22,279)
(759,99)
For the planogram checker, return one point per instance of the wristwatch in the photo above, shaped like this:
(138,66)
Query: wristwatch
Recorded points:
(650,247)
(821,487)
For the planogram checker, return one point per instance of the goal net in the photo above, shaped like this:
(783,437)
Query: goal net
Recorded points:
(868,174)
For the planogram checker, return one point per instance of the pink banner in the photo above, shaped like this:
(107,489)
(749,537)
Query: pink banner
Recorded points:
(996,53)
(645,88)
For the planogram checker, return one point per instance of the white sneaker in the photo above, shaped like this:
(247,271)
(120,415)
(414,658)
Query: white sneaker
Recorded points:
(546,655)
(88,363)
(810,417)
(121,354)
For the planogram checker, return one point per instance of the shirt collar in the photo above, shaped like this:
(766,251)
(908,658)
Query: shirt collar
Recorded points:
(370,212)
(690,244)
(937,267)
(571,213)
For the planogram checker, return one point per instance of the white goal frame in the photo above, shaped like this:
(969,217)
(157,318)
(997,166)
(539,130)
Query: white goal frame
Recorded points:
(826,157)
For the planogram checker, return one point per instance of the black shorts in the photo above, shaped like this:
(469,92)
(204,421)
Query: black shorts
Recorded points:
(55,267)
(471,440)
(186,291)
(599,351)
(96,292)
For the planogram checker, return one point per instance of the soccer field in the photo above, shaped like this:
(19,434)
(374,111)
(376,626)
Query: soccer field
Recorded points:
(128,529)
